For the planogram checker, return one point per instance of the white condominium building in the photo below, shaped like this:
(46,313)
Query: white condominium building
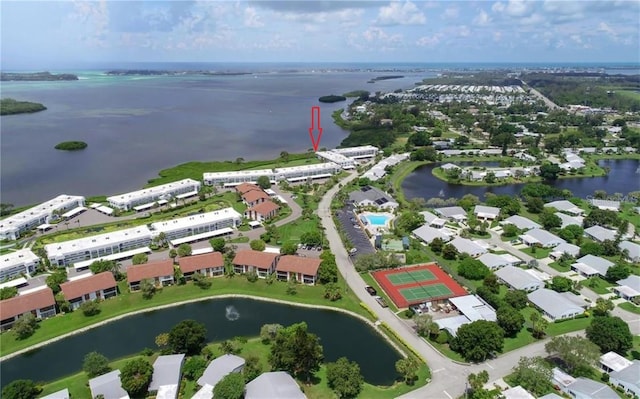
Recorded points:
(304,172)
(209,222)
(237,177)
(12,227)
(291,174)
(16,263)
(330,156)
(148,196)
(67,253)
(365,151)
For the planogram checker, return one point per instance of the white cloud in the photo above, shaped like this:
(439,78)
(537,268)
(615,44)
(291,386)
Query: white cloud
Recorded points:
(497,36)
(429,41)
(451,13)
(401,13)
(463,31)
(482,19)
(604,27)
(95,18)
(251,18)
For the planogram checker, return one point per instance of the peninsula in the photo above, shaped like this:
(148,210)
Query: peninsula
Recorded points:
(9,106)
(36,76)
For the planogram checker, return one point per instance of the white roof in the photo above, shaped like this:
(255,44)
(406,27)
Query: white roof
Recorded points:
(335,157)
(73,212)
(13,283)
(484,211)
(219,368)
(606,204)
(242,173)
(151,192)
(117,256)
(351,150)
(276,384)
(493,261)
(591,263)
(456,212)
(63,394)
(104,209)
(633,282)
(564,205)
(629,375)
(39,211)
(427,234)
(200,219)
(474,308)
(18,258)
(430,218)
(567,248)
(553,303)
(276,174)
(632,247)
(600,233)
(202,236)
(200,251)
(87,243)
(521,222)
(108,385)
(166,375)
(206,392)
(517,393)
(541,236)
(518,278)
(569,220)
(614,361)
(464,245)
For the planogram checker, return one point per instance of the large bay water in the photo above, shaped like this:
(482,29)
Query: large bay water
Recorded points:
(340,335)
(137,125)
(622,178)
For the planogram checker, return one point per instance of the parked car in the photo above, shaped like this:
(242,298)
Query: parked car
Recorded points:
(372,291)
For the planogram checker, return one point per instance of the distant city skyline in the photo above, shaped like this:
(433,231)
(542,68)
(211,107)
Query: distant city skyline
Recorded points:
(63,34)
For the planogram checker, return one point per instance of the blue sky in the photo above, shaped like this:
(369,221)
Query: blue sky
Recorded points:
(66,33)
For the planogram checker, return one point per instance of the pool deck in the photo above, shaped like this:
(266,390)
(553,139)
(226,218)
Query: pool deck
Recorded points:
(376,229)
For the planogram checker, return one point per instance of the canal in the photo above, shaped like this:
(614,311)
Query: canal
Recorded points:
(340,335)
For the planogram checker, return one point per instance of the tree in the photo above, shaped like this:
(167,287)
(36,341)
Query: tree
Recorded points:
(491,282)
(490,177)
(194,367)
(535,204)
(218,244)
(332,292)
(510,230)
(425,325)
(90,308)
(263,182)
(408,221)
(268,332)
(184,250)
(472,269)
(478,340)
(297,351)
(461,141)
(5,208)
(436,245)
(162,340)
(100,266)
(252,368)
(424,154)
(8,292)
(610,334)
(135,376)
(173,254)
(561,284)
(449,252)
(313,238)
(55,279)
(617,272)
(328,271)
(201,281)
(21,389)
(508,205)
(257,245)
(139,259)
(284,156)
(549,171)
(95,364)
(477,381)
(188,336)
(408,369)
(25,326)
(230,387)
(516,298)
(344,377)
(578,354)
(571,232)
(538,325)
(533,374)
(601,217)
(510,320)
(239,160)
(289,248)
(603,307)
(148,288)
(549,220)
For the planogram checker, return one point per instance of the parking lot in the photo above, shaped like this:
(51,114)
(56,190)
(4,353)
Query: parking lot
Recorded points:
(355,234)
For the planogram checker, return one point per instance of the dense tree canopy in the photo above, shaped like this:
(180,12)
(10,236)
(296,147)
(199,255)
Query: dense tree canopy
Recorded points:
(20,389)
(95,364)
(218,244)
(472,269)
(188,336)
(344,378)
(297,351)
(478,340)
(100,266)
(561,284)
(516,298)
(263,182)
(135,376)
(510,320)
(610,334)
(230,387)
(257,245)
(533,374)
(578,354)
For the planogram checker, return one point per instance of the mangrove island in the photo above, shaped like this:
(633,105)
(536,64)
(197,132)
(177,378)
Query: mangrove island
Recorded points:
(71,145)
(9,106)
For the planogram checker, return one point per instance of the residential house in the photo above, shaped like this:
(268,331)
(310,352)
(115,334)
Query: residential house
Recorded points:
(565,248)
(566,207)
(522,223)
(449,166)
(40,303)
(486,212)
(432,220)
(254,197)
(248,260)
(372,196)
(160,272)
(62,394)
(465,246)
(569,220)
(471,308)
(542,238)
(554,305)
(99,286)
(495,262)
(600,234)
(262,211)
(628,288)
(612,361)
(453,213)
(108,386)
(303,270)
(516,393)
(628,379)
(633,250)
(209,265)
(606,205)
(218,369)
(428,234)
(518,279)
(244,188)
(591,265)
(582,388)
(165,381)
(274,384)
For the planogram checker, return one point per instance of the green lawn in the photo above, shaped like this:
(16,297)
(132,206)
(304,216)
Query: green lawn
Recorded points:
(559,267)
(129,302)
(292,231)
(628,306)
(540,253)
(568,326)
(597,285)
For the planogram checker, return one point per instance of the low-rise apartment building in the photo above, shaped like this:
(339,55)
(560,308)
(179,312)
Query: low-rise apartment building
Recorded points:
(199,226)
(40,303)
(209,265)
(14,264)
(160,272)
(99,286)
(290,174)
(146,198)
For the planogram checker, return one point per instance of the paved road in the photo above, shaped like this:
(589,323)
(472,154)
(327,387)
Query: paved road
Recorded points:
(548,102)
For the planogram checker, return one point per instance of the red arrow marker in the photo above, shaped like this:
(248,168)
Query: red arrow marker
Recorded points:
(315,117)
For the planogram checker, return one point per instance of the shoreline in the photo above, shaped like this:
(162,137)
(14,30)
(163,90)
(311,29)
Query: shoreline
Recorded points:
(188,301)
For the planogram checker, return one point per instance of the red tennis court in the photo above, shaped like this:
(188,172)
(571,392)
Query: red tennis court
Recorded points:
(417,284)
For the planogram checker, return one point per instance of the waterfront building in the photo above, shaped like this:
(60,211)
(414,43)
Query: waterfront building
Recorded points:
(274,384)
(337,158)
(372,196)
(365,151)
(12,227)
(147,198)
(17,263)
(100,286)
(305,172)
(119,244)
(302,270)
(291,174)
(248,260)
(230,179)
(218,369)
(199,226)
(40,303)
(165,382)
(209,265)
(160,272)
(108,386)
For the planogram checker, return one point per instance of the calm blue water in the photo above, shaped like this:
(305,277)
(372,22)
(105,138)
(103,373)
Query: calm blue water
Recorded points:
(377,220)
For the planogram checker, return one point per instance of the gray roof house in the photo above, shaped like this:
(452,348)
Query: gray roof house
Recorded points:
(521,222)
(553,305)
(612,361)
(628,378)
(519,279)
(218,369)
(565,248)
(541,237)
(628,288)
(581,388)
(599,233)
(428,234)
(607,205)
(276,384)
(465,246)
(565,206)
(633,249)
(448,166)
(108,385)
(569,220)
(486,212)
(63,394)
(454,213)
(591,265)
(551,396)
(432,220)
(372,196)
(493,261)
(166,376)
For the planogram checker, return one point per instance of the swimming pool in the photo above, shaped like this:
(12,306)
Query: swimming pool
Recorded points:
(377,219)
